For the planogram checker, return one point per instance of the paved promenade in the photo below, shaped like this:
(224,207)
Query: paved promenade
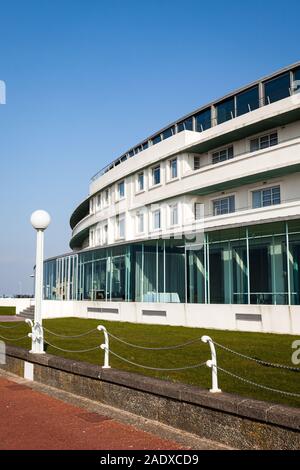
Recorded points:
(33,420)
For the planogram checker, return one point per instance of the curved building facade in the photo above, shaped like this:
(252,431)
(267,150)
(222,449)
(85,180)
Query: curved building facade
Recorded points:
(205,211)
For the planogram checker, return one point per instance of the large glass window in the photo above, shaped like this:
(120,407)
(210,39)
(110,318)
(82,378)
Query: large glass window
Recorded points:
(225,110)
(277,88)
(259,264)
(224,205)
(266,197)
(186,125)
(168,133)
(222,155)
(156,139)
(296,84)
(203,120)
(263,142)
(156,175)
(247,101)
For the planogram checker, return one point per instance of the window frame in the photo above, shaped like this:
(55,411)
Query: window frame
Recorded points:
(153,169)
(140,173)
(261,190)
(171,177)
(154,212)
(223,198)
(171,209)
(259,137)
(218,152)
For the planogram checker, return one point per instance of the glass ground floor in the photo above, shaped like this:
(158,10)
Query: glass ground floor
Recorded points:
(248,265)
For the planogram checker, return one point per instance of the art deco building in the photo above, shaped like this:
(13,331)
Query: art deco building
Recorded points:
(204,212)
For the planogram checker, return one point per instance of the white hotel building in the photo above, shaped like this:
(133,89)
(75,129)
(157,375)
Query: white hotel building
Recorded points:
(199,224)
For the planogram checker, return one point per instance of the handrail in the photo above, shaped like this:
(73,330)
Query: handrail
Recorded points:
(206,124)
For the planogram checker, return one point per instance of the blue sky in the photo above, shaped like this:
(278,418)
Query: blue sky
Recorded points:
(87,79)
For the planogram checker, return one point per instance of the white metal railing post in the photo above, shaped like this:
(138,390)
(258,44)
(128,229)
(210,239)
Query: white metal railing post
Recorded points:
(105,346)
(212,363)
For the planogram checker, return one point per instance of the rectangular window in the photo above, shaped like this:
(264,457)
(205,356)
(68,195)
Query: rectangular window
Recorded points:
(140,181)
(121,189)
(145,145)
(174,214)
(106,196)
(266,197)
(247,101)
(168,133)
(156,175)
(99,200)
(277,88)
(156,139)
(140,222)
(91,206)
(224,205)
(263,142)
(105,234)
(198,210)
(196,162)
(203,120)
(173,168)
(222,155)
(186,125)
(296,81)
(121,226)
(225,110)
(156,219)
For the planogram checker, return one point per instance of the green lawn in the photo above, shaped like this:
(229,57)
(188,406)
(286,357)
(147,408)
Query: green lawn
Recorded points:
(7,310)
(269,347)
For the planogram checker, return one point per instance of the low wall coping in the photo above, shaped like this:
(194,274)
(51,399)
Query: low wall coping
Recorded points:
(267,412)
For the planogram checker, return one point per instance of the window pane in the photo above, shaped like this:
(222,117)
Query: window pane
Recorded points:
(203,120)
(296,87)
(256,199)
(225,110)
(247,101)
(186,125)
(278,88)
(173,165)
(196,163)
(168,133)
(156,175)
(254,145)
(141,181)
(273,139)
(156,139)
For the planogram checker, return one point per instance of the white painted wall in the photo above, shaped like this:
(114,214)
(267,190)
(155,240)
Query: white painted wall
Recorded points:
(20,304)
(275,318)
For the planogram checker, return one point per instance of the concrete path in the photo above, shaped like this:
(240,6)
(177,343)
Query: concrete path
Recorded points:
(34,416)
(10,318)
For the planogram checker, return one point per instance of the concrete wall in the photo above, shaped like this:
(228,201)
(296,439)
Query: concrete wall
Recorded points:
(282,319)
(20,304)
(264,318)
(230,419)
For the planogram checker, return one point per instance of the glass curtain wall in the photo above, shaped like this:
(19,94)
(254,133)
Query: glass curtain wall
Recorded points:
(249,265)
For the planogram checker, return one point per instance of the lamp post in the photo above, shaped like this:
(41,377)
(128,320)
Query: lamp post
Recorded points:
(39,220)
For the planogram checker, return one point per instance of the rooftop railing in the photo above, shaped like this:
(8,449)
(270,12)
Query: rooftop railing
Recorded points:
(218,114)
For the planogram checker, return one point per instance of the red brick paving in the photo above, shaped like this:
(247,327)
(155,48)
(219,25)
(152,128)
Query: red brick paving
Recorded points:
(33,420)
